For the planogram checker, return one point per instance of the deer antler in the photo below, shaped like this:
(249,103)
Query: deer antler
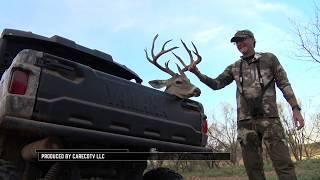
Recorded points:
(155,57)
(192,61)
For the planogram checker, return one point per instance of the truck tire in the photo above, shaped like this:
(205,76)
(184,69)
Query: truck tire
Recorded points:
(8,171)
(161,174)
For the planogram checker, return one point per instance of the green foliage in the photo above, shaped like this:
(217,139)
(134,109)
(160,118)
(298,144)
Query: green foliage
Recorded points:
(306,170)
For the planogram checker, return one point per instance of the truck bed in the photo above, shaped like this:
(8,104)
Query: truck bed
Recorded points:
(103,102)
(82,94)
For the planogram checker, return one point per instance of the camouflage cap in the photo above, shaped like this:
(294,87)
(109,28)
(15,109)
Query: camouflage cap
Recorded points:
(241,34)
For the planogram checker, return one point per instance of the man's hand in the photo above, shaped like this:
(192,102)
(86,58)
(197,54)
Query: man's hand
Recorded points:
(298,119)
(193,68)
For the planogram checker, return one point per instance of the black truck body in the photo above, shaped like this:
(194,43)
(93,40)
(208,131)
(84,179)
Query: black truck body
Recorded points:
(85,98)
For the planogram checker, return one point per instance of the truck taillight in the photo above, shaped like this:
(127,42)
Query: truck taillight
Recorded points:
(19,82)
(204,128)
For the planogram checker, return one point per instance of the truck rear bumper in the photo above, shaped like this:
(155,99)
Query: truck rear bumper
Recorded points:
(44,129)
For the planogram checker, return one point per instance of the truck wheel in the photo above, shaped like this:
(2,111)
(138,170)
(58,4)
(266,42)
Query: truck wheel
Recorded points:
(8,171)
(161,174)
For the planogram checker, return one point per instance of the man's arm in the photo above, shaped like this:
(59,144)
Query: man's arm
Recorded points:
(297,117)
(284,85)
(221,81)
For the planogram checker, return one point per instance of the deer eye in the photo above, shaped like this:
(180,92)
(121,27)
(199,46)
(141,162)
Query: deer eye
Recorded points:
(178,82)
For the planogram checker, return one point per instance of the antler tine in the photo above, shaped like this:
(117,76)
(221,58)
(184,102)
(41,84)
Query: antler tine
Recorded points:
(180,70)
(155,57)
(192,61)
(180,59)
(167,65)
(152,47)
(147,56)
(188,50)
(199,58)
(163,51)
(195,48)
(164,44)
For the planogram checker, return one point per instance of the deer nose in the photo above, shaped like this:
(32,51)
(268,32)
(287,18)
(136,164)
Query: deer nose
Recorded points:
(197,92)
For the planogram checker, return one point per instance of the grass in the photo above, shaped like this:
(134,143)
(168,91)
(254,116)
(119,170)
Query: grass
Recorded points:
(224,171)
(306,170)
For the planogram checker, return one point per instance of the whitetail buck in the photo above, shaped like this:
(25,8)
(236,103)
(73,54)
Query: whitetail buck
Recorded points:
(179,84)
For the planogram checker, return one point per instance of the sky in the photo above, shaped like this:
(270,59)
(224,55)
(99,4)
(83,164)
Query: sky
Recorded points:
(124,28)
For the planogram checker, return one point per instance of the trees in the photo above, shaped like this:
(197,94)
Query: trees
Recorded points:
(295,138)
(223,134)
(302,143)
(309,37)
(309,49)
(312,136)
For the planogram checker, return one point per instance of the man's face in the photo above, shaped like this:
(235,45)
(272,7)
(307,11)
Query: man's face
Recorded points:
(245,45)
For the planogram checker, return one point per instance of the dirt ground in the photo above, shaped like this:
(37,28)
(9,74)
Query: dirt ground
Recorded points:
(272,173)
(218,178)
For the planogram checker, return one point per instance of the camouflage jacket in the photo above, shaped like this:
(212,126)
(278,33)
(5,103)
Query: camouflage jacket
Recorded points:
(251,89)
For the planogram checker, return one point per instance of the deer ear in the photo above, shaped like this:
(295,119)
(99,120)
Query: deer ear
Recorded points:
(158,83)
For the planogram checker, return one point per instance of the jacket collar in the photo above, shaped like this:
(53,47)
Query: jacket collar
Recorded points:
(254,59)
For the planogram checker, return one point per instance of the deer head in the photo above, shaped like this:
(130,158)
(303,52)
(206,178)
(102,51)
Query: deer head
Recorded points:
(179,84)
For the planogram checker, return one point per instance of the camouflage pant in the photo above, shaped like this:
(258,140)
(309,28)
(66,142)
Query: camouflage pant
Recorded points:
(251,133)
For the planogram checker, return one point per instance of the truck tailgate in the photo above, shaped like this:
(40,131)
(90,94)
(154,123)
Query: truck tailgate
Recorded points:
(76,95)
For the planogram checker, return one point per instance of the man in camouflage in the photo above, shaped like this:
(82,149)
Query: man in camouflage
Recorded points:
(255,75)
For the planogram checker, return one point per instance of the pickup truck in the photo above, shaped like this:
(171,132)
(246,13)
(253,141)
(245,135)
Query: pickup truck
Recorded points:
(57,94)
